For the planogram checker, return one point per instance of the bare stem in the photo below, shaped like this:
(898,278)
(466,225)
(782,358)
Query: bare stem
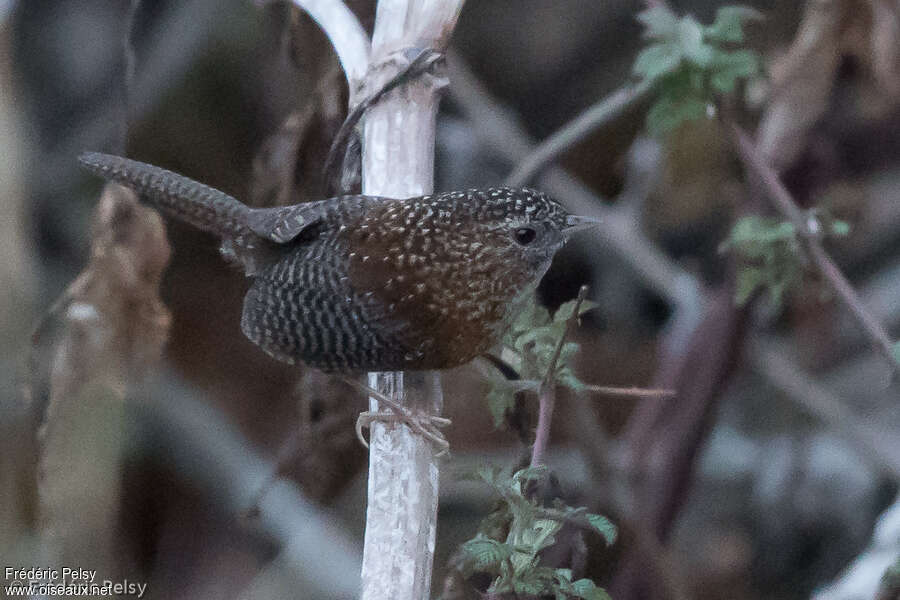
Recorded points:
(596,116)
(398,162)
(630,392)
(809,234)
(547,396)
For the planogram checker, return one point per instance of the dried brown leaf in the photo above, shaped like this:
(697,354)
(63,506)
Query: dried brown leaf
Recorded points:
(801,82)
(111,325)
(802,79)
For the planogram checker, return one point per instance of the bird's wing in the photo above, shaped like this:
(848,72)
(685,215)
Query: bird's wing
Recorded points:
(282,224)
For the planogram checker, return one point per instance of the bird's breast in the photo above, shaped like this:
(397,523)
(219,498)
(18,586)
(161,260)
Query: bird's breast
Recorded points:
(441,297)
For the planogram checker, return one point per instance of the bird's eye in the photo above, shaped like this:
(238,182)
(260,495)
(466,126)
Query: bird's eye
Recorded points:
(524,235)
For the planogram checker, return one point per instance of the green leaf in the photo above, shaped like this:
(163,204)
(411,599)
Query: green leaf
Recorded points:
(778,285)
(691,44)
(840,228)
(729,67)
(604,527)
(683,43)
(500,400)
(895,350)
(669,112)
(759,230)
(587,589)
(657,60)
(530,584)
(486,553)
(566,377)
(529,317)
(535,473)
(568,350)
(489,474)
(688,63)
(748,279)
(658,22)
(547,335)
(564,312)
(540,535)
(564,575)
(729,23)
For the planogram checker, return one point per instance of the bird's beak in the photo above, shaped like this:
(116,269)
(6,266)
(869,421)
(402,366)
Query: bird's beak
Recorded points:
(575,223)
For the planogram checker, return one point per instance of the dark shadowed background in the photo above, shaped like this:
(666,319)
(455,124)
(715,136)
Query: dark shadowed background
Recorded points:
(763,478)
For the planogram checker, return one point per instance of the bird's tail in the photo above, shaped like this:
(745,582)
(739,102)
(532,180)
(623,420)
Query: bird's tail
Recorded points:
(200,205)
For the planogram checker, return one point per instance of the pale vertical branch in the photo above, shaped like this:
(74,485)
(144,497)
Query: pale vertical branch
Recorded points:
(398,162)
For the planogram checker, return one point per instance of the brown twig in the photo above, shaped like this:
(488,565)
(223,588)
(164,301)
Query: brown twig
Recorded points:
(547,395)
(809,232)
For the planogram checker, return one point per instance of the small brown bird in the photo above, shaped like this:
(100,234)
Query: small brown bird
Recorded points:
(364,283)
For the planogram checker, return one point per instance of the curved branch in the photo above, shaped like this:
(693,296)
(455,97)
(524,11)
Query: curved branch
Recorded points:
(349,39)
(576,130)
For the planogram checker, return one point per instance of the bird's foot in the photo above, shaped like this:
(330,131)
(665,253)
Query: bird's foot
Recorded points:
(425,425)
(428,426)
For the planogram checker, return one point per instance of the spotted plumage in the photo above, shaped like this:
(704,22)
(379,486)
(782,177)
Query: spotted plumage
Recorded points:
(363,283)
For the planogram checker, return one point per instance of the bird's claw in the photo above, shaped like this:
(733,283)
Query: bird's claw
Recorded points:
(425,425)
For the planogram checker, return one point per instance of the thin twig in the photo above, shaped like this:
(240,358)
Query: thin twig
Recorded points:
(630,392)
(547,396)
(809,232)
(571,323)
(596,116)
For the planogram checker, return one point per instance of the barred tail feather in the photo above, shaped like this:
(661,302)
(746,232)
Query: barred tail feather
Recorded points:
(200,205)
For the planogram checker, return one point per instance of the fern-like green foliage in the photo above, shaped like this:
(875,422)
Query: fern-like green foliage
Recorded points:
(532,339)
(770,254)
(690,63)
(509,541)
(770,257)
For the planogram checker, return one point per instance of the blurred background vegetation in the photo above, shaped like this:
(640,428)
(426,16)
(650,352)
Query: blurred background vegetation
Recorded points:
(220,473)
